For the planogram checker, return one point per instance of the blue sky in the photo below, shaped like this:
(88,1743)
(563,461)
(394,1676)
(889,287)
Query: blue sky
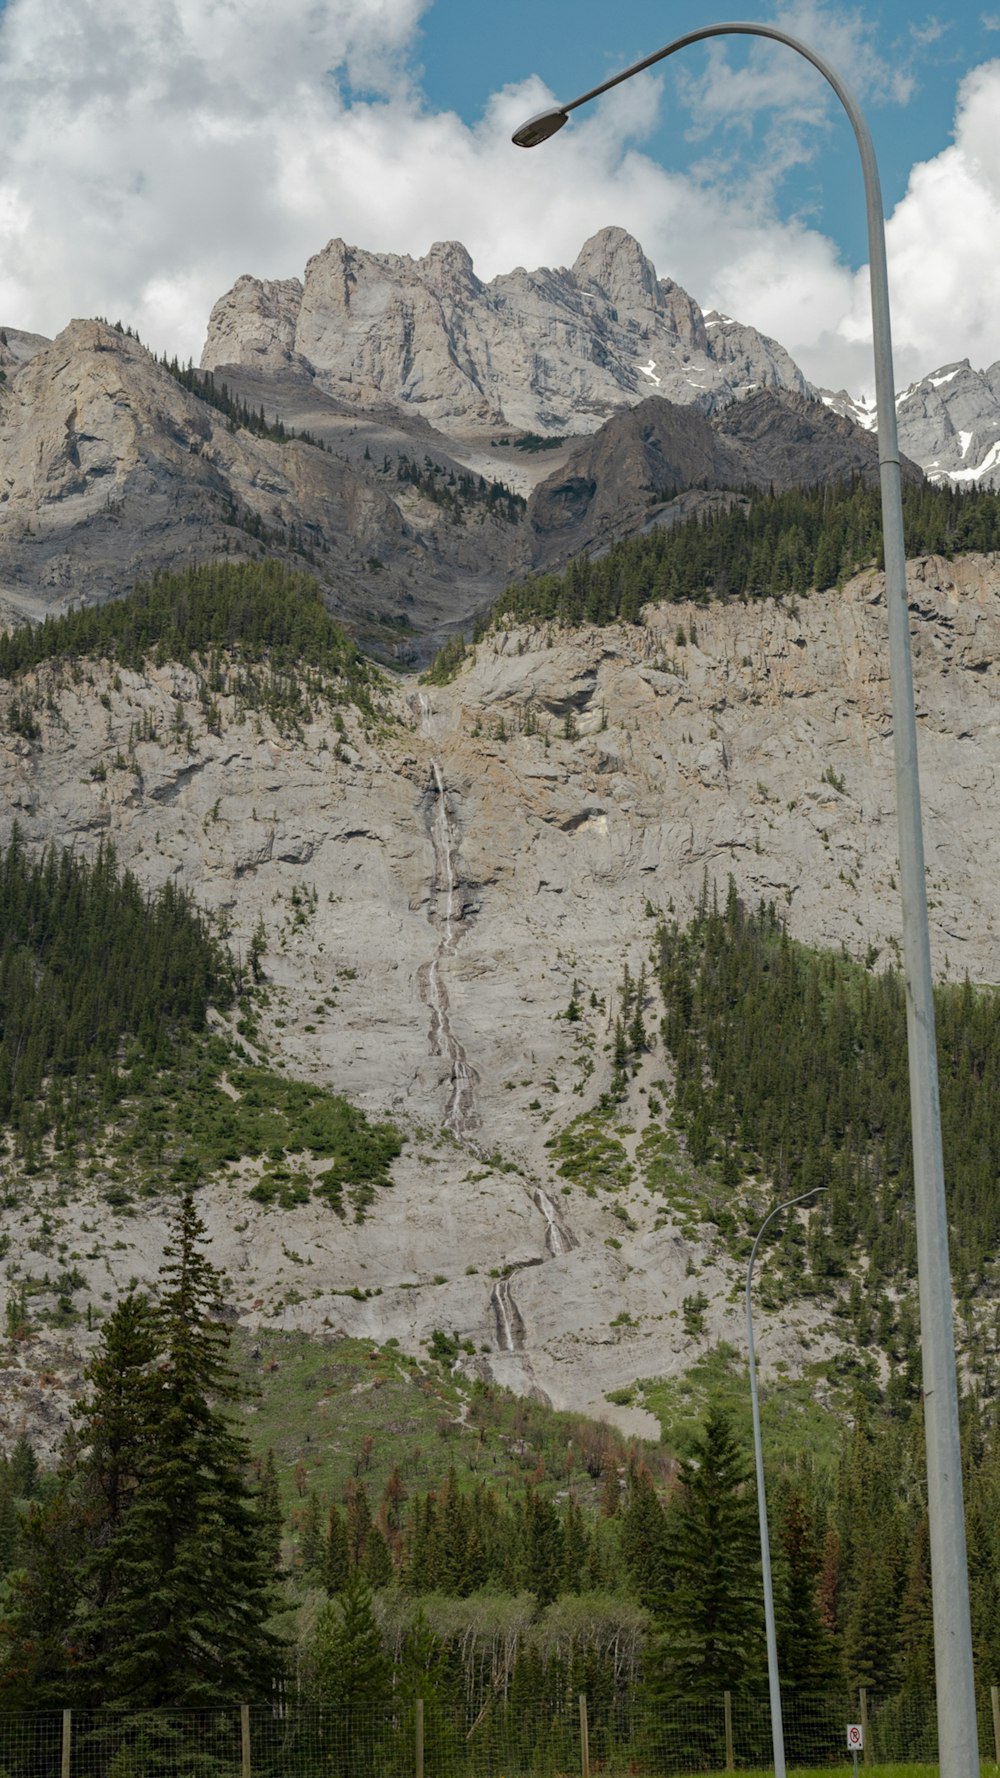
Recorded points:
(151,151)
(467,51)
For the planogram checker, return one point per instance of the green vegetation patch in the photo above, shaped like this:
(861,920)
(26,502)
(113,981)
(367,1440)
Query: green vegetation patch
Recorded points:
(346,1410)
(211,1110)
(105,994)
(588,1153)
(691,1195)
(763,546)
(447,662)
(256,630)
(795,1427)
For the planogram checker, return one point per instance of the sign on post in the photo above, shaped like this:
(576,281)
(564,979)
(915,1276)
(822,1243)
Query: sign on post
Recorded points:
(855,1742)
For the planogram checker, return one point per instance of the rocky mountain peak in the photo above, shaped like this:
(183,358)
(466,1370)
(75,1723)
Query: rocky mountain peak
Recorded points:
(548,351)
(613,264)
(260,315)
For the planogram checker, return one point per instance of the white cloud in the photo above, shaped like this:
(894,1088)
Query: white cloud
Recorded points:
(152,150)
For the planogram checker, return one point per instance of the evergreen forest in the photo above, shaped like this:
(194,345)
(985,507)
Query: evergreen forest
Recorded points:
(108,1053)
(256,630)
(791,1063)
(758,546)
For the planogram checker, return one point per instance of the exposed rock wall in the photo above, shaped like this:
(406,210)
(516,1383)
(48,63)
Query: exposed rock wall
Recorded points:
(548,351)
(514,830)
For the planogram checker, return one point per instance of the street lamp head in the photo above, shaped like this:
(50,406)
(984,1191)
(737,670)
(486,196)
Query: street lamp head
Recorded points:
(540,127)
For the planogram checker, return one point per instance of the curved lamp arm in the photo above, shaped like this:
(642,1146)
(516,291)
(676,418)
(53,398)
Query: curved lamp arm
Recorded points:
(956,1700)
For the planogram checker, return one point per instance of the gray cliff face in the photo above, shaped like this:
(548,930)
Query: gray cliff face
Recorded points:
(549,351)
(949,422)
(464,867)
(110,469)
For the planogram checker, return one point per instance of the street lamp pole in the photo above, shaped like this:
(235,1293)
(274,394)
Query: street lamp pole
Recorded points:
(773,1680)
(957,1734)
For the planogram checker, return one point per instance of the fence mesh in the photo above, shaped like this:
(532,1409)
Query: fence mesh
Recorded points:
(621,1738)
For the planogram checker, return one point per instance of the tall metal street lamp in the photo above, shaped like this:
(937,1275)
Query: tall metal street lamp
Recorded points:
(773,1682)
(957,1737)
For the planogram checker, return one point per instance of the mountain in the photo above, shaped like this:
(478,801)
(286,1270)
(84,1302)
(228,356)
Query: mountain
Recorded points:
(416,435)
(625,477)
(948,421)
(548,351)
(112,469)
(430,886)
(117,465)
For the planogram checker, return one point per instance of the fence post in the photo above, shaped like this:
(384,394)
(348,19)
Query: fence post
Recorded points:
(67,1742)
(863,1695)
(418,1739)
(995,1696)
(584,1738)
(727,1706)
(244,1741)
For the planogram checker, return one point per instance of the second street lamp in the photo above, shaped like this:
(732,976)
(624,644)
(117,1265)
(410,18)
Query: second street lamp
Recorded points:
(956,1700)
(773,1680)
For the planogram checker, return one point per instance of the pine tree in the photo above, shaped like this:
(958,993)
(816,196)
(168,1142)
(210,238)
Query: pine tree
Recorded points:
(807,1660)
(311,1540)
(712,1638)
(337,1556)
(350,1675)
(181,1590)
(269,1509)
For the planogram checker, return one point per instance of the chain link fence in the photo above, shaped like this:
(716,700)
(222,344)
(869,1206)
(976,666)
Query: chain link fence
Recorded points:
(626,1738)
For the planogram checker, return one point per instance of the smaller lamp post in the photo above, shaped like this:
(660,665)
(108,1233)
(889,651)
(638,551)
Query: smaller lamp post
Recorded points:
(774,1686)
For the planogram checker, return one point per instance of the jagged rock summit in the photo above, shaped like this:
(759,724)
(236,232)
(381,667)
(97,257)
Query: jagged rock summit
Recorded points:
(547,351)
(949,421)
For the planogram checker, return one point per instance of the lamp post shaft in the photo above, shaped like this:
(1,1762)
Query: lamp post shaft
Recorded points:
(957,1733)
(770,1628)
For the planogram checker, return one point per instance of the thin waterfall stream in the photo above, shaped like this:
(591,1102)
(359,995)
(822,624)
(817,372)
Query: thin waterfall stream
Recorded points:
(461,1115)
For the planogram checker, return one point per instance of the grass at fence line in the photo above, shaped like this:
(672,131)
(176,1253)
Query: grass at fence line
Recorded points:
(844,1763)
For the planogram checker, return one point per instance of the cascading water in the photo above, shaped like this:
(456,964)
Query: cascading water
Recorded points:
(507,1315)
(558,1237)
(460,1114)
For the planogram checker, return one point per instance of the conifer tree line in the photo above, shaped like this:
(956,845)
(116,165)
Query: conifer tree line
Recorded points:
(96,976)
(791,1063)
(457,492)
(238,412)
(759,546)
(248,613)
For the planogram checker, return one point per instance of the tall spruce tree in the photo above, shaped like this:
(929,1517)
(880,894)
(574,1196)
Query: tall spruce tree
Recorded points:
(351,1676)
(195,1581)
(713,1634)
(148,1581)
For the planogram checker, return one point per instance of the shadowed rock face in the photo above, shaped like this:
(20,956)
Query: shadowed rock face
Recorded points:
(112,470)
(613,483)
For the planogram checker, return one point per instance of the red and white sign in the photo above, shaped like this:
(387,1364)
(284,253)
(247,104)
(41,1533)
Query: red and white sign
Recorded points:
(855,1737)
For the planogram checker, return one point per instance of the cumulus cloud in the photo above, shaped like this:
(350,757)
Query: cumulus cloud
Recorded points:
(152,150)
(943,245)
